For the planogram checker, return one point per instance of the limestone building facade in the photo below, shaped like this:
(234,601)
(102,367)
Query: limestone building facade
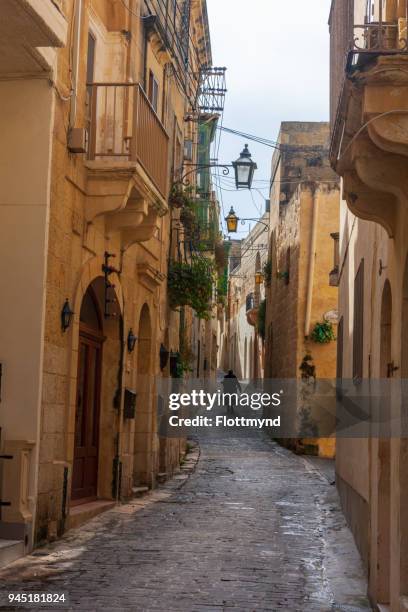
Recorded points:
(301,292)
(369,103)
(105,138)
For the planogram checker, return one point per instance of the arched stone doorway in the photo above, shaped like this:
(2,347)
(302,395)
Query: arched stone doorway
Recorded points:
(144,422)
(269,353)
(251,359)
(256,349)
(257,288)
(96,417)
(245,372)
(383,460)
(403,454)
(88,398)
(385,341)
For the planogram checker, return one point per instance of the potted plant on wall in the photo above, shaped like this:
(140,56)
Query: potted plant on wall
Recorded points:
(323,332)
(178,196)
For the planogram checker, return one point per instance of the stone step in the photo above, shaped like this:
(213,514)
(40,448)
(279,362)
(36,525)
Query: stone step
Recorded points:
(10,550)
(139,491)
(80,514)
(404,604)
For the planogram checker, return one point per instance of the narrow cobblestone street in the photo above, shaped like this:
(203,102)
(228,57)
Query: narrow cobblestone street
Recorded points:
(254,527)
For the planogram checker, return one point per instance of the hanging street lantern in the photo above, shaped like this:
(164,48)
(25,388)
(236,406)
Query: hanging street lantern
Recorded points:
(131,341)
(66,316)
(259,278)
(244,169)
(232,221)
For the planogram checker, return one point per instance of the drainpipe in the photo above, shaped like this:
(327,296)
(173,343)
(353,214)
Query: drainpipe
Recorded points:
(312,260)
(76,43)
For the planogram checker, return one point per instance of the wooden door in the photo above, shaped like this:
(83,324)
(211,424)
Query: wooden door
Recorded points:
(85,467)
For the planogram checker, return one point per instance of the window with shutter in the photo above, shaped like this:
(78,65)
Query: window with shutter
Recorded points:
(153,92)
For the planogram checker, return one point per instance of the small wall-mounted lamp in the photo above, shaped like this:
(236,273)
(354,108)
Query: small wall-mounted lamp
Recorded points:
(131,341)
(381,267)
(259,278)
(164,356)
(66,316)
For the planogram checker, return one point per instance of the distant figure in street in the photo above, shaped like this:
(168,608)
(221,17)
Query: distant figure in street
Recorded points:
(231,384)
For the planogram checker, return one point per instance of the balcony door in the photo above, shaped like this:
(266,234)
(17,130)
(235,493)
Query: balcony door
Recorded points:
(86,444)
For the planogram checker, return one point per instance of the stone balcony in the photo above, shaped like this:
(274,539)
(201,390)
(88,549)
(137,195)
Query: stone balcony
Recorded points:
(370,140)
(29,30)
(369,86)
(251,309)
(127,166)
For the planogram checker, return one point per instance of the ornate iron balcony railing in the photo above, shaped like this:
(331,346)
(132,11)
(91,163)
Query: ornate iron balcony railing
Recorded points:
(381,28)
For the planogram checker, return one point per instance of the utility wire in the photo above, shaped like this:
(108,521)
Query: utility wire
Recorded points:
(273,144)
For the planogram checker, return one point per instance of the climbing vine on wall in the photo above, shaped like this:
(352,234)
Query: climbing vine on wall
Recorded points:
(267,270)
(191,284)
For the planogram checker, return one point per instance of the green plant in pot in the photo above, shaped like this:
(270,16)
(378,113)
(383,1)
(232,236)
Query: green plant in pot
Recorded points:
(178,196)
(323,332)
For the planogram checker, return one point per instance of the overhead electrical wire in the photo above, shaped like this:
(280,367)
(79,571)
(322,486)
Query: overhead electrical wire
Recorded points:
(273,144)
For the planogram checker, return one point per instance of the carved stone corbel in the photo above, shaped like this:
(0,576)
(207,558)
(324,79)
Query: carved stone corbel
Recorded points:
(108,189)
(131,216)
(390,133)
(368,204)
(149,276)
(142,233)
(129,204)
(375,183)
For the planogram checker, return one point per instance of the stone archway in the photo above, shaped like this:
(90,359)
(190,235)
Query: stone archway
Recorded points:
(144,422)
(251,360)
(257,288)
(383,460)
(385,339)
(245,358)
(403,453)
(94,422)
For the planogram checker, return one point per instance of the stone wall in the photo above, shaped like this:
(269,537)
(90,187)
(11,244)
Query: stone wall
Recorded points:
(304,192)
(130,452)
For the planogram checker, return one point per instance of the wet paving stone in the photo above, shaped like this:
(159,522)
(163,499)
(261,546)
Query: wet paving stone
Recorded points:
(253,528)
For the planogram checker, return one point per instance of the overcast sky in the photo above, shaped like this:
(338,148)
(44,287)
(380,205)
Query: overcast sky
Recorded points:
(277,59)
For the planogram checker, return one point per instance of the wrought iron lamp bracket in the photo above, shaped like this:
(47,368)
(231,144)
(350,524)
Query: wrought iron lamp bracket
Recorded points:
(244,220)
(185,181)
